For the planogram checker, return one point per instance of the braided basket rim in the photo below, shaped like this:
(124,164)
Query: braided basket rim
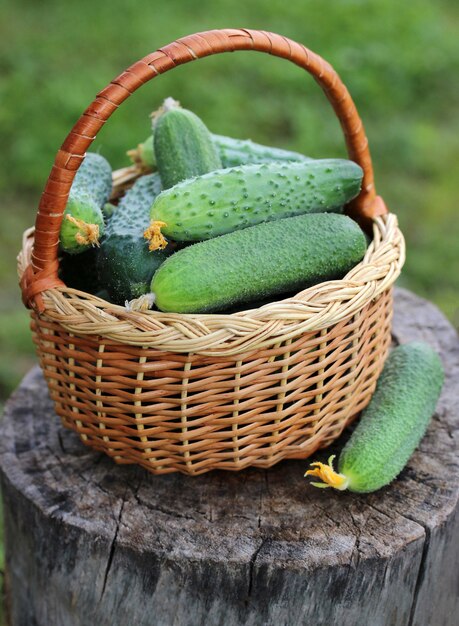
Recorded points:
(312,309)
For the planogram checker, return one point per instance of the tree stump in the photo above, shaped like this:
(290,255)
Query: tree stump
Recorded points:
(88,542)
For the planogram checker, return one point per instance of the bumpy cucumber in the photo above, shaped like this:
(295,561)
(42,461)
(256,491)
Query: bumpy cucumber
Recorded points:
(232,199)
(392,425)
(259,261)
(95,176)
(125,265)
(83,222)
(232,152)
(82,225)
(183,146)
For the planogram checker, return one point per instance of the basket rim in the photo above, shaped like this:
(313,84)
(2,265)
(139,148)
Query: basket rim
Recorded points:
(311,310)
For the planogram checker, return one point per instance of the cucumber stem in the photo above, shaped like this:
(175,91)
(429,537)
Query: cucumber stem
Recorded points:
(87,234)
(168,104)
(328,475)
(154,235)
(137,157)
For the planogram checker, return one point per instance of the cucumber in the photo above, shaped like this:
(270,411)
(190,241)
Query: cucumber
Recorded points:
(108,209)
(183,146)
(144,155)
(125,265)
(232,152)
(259,261)
(83,222)
(232,199)
(95,175)
(392,425)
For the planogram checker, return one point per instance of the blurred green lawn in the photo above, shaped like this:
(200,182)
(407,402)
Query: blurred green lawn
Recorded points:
(398,59)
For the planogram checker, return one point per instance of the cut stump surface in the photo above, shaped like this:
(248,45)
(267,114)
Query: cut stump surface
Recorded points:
(89,542)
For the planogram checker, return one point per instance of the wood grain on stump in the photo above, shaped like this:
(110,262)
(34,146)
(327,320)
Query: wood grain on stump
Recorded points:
(88,542)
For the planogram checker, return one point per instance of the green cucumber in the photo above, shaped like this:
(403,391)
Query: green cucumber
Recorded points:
(83,222)
(82,225)
(232,199)
(95,175)
(232,152)
(392,425)
(108,209)
(183,146)
(259,261)
(125,265)
(144,155)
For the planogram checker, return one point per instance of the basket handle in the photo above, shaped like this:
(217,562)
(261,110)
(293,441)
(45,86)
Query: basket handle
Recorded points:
(42,273)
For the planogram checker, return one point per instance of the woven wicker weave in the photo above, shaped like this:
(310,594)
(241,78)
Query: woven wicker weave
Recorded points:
(192,393)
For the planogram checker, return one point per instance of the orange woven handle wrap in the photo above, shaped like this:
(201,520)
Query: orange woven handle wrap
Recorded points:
(43,272)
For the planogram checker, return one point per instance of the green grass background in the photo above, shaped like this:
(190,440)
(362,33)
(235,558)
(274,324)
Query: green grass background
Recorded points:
(400,61)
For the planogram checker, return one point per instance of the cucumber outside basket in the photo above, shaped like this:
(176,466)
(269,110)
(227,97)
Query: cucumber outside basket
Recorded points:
(193,393)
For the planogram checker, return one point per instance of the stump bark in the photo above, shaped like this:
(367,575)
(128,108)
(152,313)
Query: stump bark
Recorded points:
(88,542)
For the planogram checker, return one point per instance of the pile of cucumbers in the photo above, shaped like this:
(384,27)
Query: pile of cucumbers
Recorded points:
(211,223)
(215,224)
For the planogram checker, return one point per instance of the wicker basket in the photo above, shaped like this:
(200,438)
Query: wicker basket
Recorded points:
(192,393)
